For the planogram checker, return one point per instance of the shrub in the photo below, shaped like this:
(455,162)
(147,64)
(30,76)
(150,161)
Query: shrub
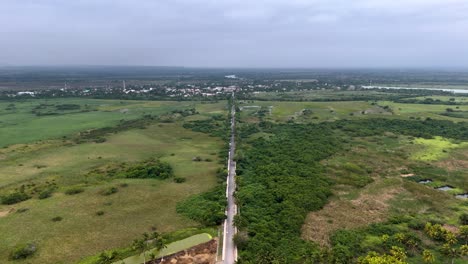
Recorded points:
(57,219)
(74,190)
(15,197)
(99,213)
(206,208)
(123,185)
(23,251)
(241,240)
(109,191)
(180,179)
(150,169)
(46,193)
(463,219)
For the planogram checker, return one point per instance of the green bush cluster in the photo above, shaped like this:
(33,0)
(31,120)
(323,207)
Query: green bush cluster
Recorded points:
(14,197)
(154,169)
(206,208)
(280,181)
(23,251)
(74,190)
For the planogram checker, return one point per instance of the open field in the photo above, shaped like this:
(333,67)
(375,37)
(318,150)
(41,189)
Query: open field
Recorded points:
(321,95)
(315,112)
(18,123)
(137,206)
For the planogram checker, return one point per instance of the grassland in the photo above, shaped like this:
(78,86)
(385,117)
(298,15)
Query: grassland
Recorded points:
(435,148)
(138,206)
(314,112)
(20,122)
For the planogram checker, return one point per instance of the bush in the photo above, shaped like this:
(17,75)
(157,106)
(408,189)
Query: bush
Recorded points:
(207,208)
(99,213)
(109,191)
(57,219)
(74,190)
(241,240)
(23,251)
(15,197)
(46,193)
(123,185)
(464,219)
(179,180)
(22,210)
(150,169)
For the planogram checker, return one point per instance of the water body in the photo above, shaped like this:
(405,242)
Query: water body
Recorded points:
(445,188)
(462,196)
(455,91)
(425,181)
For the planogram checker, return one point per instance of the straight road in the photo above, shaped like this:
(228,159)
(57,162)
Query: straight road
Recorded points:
(229,248)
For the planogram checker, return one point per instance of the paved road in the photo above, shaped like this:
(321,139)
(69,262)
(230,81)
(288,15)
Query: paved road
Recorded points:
(229,248)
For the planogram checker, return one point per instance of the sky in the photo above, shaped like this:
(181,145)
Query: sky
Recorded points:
(235,33)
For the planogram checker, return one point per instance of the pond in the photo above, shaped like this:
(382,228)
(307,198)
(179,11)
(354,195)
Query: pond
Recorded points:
(445,188)
(462,196)
(425,181)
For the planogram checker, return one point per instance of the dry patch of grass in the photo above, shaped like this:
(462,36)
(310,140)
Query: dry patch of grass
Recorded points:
(5,212)
(369,207)
(457,161)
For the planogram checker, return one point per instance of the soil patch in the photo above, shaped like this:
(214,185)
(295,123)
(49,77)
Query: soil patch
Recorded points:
(6,212)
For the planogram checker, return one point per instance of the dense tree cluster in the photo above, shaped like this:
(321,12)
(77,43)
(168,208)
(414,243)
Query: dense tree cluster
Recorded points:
(280,180)
(206,208)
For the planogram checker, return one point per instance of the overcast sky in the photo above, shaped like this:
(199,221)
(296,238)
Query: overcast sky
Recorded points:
(235,33)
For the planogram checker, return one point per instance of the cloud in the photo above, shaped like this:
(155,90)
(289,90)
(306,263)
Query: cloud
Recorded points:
(276,33)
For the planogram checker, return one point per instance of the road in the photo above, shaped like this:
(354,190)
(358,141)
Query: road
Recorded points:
(229,248)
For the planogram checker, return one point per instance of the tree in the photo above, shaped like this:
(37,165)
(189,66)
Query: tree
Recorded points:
(450,238)
(464,250)
(428,257)
(148,242)
(464,233)
(140,246)
(397,256)
(158,242)
(450,252)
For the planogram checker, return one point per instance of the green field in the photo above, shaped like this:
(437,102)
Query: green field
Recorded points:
(138,205)
(21,125)
(279,111)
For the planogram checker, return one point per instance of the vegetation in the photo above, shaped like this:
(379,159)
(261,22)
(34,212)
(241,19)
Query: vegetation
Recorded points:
(339,155)
(23,251)
(280,180)
(153,169)
(14,197)
(66,167)
(206,208)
